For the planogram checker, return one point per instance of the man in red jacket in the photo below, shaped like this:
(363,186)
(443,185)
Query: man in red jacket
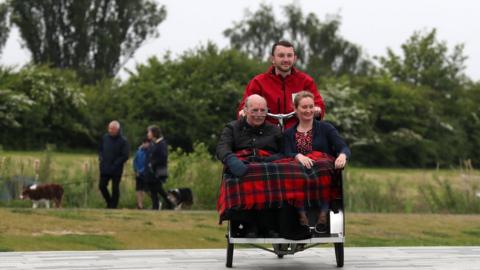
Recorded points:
(280,84)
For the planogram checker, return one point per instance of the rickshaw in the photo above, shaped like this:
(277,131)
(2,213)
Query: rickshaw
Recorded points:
(282,246)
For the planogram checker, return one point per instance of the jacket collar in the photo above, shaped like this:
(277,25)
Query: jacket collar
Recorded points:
(158,140)
(271,70)
(315,125)
(245,125)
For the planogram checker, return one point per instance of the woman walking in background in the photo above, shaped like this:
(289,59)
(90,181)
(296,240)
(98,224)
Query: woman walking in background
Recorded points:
(156,167)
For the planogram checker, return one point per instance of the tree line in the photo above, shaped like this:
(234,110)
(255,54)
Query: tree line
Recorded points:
(416,108)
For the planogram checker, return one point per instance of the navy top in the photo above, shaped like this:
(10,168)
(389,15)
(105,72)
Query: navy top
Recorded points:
(112,153)
(325,139)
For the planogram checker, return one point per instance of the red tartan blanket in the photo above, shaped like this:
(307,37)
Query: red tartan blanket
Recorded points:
(270,185)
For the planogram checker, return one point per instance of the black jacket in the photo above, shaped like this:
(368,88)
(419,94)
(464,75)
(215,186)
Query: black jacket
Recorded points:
(325,139)
(238,135)
(112,153)
(157,162)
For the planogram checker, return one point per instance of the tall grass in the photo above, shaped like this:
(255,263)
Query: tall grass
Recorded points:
(199,171)
(443,196)
(365,190)
(362,194)
(434,193)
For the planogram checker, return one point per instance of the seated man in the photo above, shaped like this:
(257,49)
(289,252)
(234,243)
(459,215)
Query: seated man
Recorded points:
(252,133)
(256,137)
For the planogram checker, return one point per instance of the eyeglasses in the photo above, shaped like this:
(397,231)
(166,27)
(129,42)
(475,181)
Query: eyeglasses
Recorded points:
(259,112)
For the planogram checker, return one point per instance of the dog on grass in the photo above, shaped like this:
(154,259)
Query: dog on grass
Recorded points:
(181,198)
(43,193)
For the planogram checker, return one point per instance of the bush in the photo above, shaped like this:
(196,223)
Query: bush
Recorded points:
(53,109)
(198,171)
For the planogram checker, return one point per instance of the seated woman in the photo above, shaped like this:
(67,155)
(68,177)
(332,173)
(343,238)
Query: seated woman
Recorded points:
(311,135)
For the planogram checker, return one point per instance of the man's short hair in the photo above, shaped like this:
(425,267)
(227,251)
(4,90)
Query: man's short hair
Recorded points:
(247,100)
(114,123)
(283,43)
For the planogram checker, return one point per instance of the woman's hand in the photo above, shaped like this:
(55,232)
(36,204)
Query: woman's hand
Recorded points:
(306,161)
(341,161)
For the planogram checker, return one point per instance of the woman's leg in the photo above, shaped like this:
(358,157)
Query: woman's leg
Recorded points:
(163,194)
(154,195)
(139,195)
(140,189)
(321,226)
(322,217)
(303,216)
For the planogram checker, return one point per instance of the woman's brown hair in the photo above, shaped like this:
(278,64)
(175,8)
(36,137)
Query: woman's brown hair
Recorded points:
(155,130)
(301,95)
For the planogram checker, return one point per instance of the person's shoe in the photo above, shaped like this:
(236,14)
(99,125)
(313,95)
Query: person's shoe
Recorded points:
(321,228)
(303,219)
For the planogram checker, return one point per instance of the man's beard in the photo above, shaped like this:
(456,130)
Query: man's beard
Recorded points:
(279,67)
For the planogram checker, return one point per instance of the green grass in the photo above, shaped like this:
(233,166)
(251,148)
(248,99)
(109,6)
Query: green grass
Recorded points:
(91,229)
(385,190)
(412,230)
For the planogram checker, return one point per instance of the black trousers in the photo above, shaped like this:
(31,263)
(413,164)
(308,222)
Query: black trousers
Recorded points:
(155,189)
(111,200)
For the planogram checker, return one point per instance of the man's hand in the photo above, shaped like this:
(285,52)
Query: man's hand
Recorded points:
(241,113)
(341,161)
(236,166)
(317,111)
(305,161)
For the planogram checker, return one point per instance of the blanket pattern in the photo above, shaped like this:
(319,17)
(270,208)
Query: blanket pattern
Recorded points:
(272,184)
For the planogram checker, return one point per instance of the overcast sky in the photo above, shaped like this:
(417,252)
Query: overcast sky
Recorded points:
(372,24)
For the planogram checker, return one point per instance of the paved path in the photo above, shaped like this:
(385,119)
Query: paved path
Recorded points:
(317,258)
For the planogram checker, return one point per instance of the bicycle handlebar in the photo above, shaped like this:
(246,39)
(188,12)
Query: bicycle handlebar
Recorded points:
(282,116)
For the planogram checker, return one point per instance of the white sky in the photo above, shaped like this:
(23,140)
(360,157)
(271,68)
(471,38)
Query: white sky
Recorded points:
(372,24)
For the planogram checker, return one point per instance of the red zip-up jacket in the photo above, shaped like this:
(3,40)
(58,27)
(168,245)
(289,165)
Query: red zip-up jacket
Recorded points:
(279,92)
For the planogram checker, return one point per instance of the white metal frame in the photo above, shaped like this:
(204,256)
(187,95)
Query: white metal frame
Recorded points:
(336,235)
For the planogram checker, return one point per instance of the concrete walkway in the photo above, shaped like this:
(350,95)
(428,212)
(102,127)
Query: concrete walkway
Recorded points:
(316,258)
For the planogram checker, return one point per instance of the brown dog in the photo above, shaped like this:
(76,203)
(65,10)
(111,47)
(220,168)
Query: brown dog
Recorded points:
(43,193)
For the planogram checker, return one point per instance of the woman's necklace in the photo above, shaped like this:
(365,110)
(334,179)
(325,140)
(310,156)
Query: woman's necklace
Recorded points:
(304,130)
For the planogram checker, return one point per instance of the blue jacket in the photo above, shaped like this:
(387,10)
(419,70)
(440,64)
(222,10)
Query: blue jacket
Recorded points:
(139,160)
(325,139)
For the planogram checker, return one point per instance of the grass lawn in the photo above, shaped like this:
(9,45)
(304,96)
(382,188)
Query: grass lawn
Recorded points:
(23,229)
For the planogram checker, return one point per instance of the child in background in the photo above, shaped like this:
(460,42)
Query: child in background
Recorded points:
(139,168)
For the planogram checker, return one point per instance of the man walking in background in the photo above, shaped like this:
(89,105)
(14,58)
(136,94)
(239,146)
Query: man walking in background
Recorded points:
(112,155)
